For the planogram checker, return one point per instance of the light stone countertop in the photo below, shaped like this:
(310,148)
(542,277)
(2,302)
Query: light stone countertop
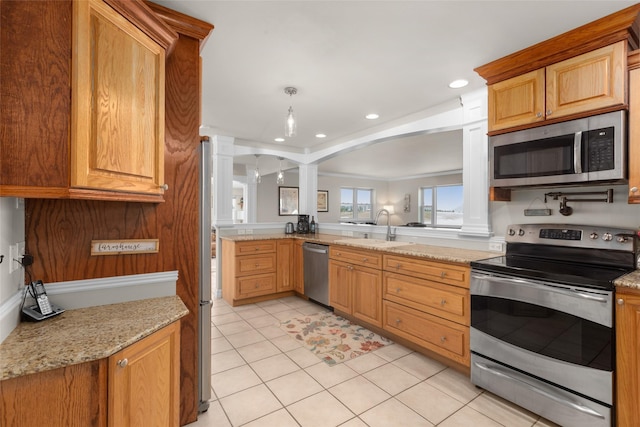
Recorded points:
(84,334)
(631,280)
(435,253)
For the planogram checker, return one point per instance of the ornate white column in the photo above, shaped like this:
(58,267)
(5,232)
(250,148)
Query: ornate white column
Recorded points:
(308,193)
(475,173)
(222,180)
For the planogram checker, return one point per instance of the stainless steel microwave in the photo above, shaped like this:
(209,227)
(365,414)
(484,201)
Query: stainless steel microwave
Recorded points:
(588,150)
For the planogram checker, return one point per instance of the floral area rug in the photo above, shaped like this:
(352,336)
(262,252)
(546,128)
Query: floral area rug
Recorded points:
(332,338)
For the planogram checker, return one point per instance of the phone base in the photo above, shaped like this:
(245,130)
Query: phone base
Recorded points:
(32,313)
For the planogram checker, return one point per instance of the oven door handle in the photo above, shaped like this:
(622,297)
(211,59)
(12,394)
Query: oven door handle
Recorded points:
(554,288)
(559,399)
(577,152)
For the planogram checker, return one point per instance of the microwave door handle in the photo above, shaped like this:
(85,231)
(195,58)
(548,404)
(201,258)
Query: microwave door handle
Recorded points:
(577,152)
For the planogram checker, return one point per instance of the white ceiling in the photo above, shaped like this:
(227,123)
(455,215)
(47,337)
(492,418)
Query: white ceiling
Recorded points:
(350,58)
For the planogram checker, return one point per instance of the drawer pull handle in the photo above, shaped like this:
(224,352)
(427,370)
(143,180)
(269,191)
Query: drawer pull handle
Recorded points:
(122,363)
(634,189)
(443,339)
(398,321)
(443,302)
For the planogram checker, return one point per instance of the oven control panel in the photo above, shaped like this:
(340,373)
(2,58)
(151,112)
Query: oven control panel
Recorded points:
(571,235)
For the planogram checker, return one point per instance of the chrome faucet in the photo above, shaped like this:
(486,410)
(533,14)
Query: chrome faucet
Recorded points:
(390,236)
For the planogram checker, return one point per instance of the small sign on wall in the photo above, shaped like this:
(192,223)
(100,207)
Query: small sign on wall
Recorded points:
(124,247)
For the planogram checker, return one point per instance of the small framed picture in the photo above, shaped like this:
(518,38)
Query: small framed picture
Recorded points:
(323,201)
(288,201)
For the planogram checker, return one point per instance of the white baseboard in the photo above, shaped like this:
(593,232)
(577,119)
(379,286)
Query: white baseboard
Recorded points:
(93,292)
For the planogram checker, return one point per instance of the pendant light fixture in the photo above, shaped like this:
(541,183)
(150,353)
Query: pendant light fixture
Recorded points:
(280,176)
(257,172)
(290,126)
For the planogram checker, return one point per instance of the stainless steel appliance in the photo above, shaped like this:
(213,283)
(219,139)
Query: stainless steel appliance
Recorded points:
(288,228)
(204,312)
(542,325)
(590,149)
(316,272)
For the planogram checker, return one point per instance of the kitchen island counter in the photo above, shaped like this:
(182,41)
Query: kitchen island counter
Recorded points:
(84,335)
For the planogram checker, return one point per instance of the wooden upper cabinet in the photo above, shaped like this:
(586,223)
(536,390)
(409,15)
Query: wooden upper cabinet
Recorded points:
(517,101)
(117,103)
(587,82)
(634,127)
(86,120)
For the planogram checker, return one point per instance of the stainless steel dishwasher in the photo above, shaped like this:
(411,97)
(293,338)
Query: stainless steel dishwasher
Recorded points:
(316,272)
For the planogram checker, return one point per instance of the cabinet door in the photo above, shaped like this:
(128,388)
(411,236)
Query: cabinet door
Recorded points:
(634,131)
(516,101)
(587,82)
(144,381)
(117,122)
(284,270)
(628,358)
(367,295)
(340,285)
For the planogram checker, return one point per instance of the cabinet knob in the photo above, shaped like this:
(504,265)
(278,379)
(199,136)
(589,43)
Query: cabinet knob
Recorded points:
(122,362)
(398,290)
(549,112)
(443,339)
(443,302)
(398,266)
(443,273)
(539,114)
(364,259)
(634,189)
(620,301)
(165,187)
(398,321)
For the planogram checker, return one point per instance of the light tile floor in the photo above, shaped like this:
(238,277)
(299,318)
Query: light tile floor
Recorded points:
(261,377)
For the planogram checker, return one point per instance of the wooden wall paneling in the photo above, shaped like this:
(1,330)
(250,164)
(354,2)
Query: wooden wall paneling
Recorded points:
(35,92)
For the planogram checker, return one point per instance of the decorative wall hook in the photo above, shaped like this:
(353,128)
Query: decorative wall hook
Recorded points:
(607,197)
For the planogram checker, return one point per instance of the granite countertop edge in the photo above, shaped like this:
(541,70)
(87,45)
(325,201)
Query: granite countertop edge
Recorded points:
(429,252)
(435,253)
(84,335)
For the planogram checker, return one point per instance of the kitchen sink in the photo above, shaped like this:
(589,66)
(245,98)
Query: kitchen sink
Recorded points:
(372,243)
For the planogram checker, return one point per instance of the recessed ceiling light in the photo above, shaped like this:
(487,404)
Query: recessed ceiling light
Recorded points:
(371,116)
(457,84)
(279,140)
(320,135)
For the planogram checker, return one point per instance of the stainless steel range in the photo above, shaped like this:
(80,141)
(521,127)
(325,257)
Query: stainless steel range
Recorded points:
(542,320)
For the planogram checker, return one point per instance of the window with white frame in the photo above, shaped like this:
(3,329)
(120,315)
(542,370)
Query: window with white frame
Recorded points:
(356,204)
(441,206)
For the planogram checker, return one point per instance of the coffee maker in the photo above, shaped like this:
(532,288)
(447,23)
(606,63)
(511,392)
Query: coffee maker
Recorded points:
(303,224)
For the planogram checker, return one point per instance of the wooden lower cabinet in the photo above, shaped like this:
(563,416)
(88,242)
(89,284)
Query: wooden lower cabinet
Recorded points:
(256,270)
(137,387)
(353,288)
(298,266)
(432,332)
(428,303)
(627,357)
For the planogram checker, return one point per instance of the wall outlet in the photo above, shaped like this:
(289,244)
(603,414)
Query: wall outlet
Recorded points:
(13,255)
(496,246)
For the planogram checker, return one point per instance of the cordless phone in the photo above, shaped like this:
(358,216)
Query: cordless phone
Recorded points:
(43,308)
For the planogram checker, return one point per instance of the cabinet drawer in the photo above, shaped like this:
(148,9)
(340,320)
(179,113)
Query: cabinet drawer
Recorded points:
(431,270)
(260,284)
(255,247)
(438,335)
(449,302)
(356,256)
(247,265)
